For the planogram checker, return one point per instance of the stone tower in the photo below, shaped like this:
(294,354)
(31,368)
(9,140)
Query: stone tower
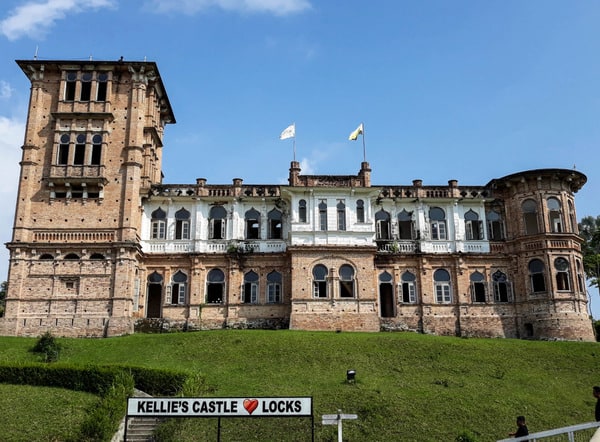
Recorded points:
(92,148)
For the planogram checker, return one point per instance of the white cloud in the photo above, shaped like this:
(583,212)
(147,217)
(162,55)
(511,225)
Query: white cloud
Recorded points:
(5,90)
(10,151)
(276,7)
(33,19)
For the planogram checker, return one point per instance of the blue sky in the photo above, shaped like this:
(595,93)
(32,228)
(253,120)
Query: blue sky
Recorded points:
(466,90)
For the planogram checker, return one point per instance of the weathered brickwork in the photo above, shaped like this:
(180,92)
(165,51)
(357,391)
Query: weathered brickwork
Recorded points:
(101,247)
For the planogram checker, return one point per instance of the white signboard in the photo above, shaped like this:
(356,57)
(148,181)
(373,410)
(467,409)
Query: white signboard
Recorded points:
(220,407)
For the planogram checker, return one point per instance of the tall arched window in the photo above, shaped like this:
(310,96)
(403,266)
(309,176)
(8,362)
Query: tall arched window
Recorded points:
(217,223)
(580,276)
(79,155)
(555,215)
(215,286)
(323,215)
(573,220)
(275,224)
(346,281)
(386,295)
(502,288)
(274,280)
(536,275)
(437,219)
(63,149)
(320,281)
(477,287)
(96,158)
(341,215)
(178,288)
(441,282)
(563,279)
(250,289)
(408,288)
(302,211)
(406,228)
(182,224)
(360,211)
(530,218)
(495,226)
(252,219)
(159,224)
(382,225)
(473,226)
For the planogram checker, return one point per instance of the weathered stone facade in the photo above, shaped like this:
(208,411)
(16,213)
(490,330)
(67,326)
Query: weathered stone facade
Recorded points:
(101,245)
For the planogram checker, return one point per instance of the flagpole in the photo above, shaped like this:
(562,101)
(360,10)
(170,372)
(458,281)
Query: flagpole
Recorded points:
(294,141)
(364,148)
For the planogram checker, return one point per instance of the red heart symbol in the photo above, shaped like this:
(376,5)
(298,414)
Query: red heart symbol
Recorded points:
(250,405)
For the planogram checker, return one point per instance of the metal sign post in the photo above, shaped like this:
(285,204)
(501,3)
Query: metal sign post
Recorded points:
(336,419)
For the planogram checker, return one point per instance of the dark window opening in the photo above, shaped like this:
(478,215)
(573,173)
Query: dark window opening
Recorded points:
(70,86)
(86,86)
(102,87)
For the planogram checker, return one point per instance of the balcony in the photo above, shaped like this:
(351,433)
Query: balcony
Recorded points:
(63,172)
(214,246)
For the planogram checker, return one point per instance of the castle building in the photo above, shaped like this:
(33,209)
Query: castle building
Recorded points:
(101,245)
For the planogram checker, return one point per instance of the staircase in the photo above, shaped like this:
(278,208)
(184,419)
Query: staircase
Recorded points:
(141,429)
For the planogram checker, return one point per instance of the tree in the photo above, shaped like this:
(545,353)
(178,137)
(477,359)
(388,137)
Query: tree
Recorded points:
(589,229)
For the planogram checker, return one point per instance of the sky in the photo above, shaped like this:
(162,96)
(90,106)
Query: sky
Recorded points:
(464,89)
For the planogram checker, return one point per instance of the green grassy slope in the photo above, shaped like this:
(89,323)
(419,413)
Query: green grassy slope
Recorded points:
(409,386)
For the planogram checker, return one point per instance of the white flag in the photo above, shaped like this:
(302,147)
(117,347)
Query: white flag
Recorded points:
(359,130)
(288,132)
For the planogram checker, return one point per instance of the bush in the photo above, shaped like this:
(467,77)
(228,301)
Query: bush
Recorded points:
(48,347)
(597,330)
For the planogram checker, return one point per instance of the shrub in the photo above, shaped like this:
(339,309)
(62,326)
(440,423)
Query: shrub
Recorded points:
(48,347)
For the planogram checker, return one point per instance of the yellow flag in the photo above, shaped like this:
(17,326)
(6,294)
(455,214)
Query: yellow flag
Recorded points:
(354,135)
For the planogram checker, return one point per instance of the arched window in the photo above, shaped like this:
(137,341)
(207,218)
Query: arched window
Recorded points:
(302,211)
(346,273)
(530,219)
(178,288)
(437,219)
(101,86)
(96,158)
(563,280)
(408,288)
(217,223)
(406,228)
(63,149)
(477,287)
(274,280)
(386,295)
(502,288)
(360,211)
(97,256)
(215,286)
(155,278)
(555,215)
(86,86)
(573,220)
(159,224)
(441,279)
(79,156)
(46,256)
(70,83)
(382,225)
(473,226)
(341,215)
(250,288)
(495,226)
(252,218)
(323,215)
(536,275)
(71,256)
(580,276)
(182,224)
(275,224)
(320,281)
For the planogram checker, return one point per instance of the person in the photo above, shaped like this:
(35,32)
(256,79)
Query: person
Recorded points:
(521,428)
(596,392)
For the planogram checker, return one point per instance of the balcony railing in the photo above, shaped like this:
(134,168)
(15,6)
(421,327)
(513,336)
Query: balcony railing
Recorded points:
(213,246)
(69,171)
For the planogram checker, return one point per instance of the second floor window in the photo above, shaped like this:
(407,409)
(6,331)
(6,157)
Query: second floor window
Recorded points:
(159,224)
(382,225)
(408,289)
(537,275)
(495,226)
(341,215)
(182,224)
(360,211)
(323,215)
(473,227)
(563,280)
(250,288)
(437,218)
(555,215)
(529,208)
(217,223)
(275,224)
(252,219)
(405,225)
(302,211)
(274,288)
(79,149)
(477,287)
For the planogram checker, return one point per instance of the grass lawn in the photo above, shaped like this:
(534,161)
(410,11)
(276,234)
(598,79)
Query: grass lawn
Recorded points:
(409,387)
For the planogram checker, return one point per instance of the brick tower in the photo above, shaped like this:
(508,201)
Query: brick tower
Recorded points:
(93,146)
